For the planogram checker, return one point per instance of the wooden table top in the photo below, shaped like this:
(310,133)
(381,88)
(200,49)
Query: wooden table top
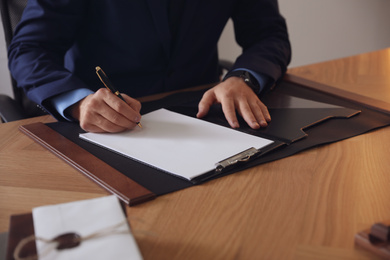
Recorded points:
(307,206)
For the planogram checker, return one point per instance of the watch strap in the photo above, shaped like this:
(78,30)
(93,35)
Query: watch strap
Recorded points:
(248,78)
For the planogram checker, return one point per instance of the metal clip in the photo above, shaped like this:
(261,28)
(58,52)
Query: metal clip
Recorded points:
(241,157)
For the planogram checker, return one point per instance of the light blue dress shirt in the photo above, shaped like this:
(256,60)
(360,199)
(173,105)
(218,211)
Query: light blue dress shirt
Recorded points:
(67,99)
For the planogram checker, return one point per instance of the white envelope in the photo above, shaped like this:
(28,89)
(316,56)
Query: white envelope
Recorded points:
(86,217)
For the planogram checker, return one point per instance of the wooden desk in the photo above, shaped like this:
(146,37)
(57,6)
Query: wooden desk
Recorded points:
(307,206)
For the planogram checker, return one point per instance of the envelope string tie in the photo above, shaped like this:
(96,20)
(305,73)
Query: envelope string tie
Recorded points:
(65,241)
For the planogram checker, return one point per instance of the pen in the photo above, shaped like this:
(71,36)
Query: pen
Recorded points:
(107,83)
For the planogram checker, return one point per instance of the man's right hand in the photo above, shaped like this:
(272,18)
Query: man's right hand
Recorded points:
(105,112)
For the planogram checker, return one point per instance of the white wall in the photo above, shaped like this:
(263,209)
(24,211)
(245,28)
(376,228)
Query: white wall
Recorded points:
(319,30)
(5,82)
(327,29)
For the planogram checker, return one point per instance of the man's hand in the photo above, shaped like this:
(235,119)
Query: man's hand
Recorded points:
(235,95)
(105,112)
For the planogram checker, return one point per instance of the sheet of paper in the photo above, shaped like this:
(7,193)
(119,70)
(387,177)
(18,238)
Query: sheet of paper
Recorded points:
(178,144)
(86,217)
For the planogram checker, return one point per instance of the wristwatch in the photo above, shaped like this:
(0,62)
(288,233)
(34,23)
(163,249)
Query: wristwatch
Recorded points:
(247,77)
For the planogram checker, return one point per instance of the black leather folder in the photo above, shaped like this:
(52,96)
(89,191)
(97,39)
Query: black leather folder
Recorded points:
(302,118)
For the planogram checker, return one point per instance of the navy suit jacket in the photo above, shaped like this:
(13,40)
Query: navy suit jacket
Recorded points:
(58,44)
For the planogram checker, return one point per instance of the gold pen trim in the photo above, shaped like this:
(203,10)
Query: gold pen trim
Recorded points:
(97,73)
(117,93)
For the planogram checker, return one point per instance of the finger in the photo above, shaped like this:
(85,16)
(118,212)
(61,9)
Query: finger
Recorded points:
(247,112)
(92,128)
(264,111)
(260,112)
(93,121)
(98,110)
(110,127)
(205,103)
(89,127)
(120,113)
(111,120)
(229,110)
(101,126)
(133,103)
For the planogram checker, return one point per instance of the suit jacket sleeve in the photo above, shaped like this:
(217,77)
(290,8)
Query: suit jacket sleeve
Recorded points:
(262,33)
(36,54)
(58,44)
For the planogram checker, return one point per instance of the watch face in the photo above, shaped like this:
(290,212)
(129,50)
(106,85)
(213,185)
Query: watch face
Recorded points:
(246,76)
(249,80)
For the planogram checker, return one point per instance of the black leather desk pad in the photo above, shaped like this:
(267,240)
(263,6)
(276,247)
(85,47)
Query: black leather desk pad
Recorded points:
(325,132)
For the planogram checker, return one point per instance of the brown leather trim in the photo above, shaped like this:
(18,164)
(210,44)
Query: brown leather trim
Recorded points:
(100,172)
(20,226)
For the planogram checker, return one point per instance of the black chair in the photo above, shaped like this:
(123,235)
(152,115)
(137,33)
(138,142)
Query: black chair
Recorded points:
(20,106)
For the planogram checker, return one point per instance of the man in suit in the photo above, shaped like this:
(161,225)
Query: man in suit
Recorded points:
(146,47)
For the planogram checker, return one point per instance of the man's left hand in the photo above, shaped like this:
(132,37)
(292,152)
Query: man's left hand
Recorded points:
(235,95)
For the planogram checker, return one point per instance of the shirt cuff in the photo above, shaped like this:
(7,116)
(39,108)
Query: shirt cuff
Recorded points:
(67,99)
(261,79)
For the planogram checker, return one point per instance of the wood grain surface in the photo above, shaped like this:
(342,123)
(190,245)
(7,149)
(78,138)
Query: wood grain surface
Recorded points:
(307,206)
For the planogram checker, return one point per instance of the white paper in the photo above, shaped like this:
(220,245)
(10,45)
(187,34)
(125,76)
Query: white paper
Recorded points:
(86,217)
(178,144)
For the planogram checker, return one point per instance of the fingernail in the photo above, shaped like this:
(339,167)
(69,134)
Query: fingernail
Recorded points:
(255,125)
(234,124)
(263,123)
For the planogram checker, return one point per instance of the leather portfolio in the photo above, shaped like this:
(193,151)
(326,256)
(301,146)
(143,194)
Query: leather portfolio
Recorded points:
(302,117)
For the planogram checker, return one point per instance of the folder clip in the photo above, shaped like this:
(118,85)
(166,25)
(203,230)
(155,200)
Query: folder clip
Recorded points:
(233,160)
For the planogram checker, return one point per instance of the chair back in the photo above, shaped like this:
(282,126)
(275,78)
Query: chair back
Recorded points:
(11,12)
